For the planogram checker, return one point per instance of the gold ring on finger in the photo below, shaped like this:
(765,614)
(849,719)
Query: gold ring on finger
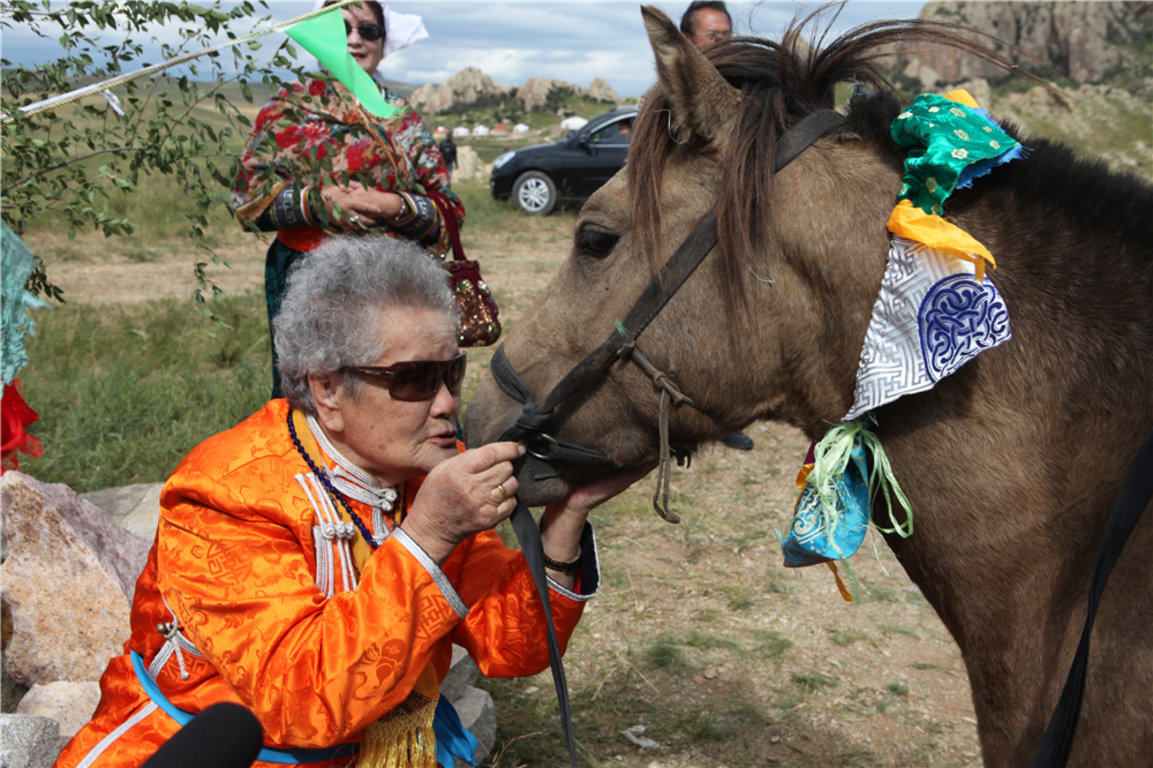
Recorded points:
(503,492)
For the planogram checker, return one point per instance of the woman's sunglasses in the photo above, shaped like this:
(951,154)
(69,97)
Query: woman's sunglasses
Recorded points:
(415,380)
(368,31)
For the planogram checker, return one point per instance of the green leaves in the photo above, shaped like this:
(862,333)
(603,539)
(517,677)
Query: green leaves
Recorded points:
(60,165)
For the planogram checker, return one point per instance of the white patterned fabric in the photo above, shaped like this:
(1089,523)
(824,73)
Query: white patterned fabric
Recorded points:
(930,318)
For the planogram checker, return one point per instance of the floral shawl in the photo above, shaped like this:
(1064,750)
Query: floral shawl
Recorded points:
(319,134)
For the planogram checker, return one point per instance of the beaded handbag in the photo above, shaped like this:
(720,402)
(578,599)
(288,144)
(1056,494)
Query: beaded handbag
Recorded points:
(479,314)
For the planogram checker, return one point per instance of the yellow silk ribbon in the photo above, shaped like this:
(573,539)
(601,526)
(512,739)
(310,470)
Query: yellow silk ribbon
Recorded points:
(910,222)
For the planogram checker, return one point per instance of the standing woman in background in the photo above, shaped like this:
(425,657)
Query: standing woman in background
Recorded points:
(307,138)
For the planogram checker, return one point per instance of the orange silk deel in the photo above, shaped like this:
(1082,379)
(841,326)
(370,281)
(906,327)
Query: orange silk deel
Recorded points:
(235,562)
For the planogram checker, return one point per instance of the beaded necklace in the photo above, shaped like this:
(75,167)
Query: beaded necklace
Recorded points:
(332,492)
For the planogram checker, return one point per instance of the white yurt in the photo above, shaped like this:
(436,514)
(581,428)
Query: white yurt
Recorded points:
(480,130)
(520,128)
(459,131)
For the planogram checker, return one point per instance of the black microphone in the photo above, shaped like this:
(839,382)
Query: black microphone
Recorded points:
(225,735)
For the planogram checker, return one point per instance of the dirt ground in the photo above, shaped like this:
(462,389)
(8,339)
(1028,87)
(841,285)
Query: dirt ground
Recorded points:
(698,634)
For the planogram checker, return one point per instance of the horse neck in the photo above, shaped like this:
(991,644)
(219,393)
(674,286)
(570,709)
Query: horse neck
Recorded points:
(1006,460)
(827,227)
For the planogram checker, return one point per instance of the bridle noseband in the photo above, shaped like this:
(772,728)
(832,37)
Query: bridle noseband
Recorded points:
(544,450)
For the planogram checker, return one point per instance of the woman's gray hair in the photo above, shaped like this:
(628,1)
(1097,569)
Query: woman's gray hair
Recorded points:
(328,316)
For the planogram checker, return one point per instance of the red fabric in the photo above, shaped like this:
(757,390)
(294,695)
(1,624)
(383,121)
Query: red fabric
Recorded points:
(303,239)
(15,417)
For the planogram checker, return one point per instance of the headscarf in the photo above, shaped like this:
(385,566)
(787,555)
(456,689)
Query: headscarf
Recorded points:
(400,29)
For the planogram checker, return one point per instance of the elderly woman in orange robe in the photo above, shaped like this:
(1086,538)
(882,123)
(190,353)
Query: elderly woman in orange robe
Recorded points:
(317,562)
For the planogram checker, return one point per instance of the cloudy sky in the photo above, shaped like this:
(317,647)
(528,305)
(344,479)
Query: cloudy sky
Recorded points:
(512,41)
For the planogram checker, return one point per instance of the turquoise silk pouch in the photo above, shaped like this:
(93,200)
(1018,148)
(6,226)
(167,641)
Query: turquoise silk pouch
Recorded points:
(830,522)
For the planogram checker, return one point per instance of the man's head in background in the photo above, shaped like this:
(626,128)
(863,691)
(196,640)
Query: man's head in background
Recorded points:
(706,22)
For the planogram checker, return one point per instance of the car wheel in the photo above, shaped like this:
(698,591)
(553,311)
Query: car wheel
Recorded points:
(534,193)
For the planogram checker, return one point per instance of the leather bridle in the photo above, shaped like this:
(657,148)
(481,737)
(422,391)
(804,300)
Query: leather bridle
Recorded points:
(545,450)
(531,427)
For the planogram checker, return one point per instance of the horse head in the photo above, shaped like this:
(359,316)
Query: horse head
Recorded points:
(770,324)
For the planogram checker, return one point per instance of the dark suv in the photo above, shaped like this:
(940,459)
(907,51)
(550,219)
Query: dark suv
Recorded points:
(538,177)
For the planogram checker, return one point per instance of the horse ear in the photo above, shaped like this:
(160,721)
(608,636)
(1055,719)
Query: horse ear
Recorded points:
(702,102)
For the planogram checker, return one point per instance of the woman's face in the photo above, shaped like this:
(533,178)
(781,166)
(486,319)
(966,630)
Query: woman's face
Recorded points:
(367,53)
(395,440)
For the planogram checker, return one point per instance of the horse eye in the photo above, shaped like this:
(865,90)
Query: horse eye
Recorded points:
(596,242)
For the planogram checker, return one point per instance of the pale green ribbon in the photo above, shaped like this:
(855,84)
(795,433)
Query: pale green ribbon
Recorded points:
(831,456)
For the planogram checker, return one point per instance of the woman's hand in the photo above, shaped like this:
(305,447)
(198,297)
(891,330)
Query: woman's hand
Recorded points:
(562,523)
(462,496)
(361,207)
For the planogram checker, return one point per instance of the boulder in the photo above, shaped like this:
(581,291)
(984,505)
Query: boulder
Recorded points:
(29,741)
(68,579)
(600,90)
(478,714)
(465,87)
(69,704)
(135,507)
(473,705)
(1080,41)
(534,92)
(468,165)
(461,675)
(52,537)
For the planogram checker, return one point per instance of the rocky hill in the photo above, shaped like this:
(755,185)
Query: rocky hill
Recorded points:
(472,88)
(1099,53)
(1086,42)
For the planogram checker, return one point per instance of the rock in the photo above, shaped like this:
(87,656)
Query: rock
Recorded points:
(55,537)
(10,691)
(468,165)
(478,714)
(474,706)
(534,92)
(465,87)
(70,704)
(461,675)
(134,507)
(67,581)
(600,90)
(471,85)
(29,741)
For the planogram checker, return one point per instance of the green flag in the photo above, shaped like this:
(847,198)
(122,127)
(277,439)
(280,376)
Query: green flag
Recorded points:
(324,37)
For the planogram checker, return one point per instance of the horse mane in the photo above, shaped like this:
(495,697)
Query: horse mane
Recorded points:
(780,83)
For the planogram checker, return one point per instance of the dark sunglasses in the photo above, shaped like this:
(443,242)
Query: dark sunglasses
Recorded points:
(368,31)
(416,380)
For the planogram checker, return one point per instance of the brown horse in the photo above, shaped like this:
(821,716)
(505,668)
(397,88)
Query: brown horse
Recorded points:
(1011,464)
